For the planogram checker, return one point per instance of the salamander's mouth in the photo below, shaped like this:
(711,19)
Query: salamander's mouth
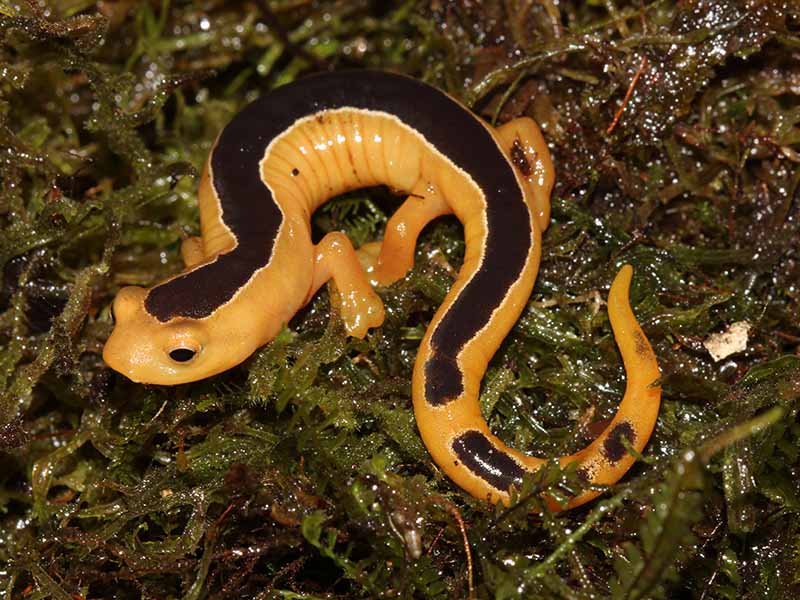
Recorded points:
(150,372)
(137,358)
(117,355)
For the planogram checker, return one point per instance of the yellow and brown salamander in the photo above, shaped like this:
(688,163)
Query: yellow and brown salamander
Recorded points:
(255,265)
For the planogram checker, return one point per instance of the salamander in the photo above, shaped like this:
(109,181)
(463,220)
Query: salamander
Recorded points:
(254,265)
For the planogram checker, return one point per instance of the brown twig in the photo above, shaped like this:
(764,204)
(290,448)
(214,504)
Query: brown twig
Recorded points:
(457,516)
(435,540)
(788,337)
(214,529)
(628,94)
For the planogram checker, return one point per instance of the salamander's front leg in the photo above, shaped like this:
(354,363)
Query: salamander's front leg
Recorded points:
(389,260)
(522,141)
(192,251)
(360,306)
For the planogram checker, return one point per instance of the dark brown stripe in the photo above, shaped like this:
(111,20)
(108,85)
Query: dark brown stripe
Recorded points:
(480,456)
(251,213)
(443,380)
(519,158)
(614,445)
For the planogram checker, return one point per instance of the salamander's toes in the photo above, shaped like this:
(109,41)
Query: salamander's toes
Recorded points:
(361,309)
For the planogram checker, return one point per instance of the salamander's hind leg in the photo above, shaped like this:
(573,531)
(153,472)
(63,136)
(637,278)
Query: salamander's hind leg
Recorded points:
(389,260)
(192,251)
(360,306)
(523,143)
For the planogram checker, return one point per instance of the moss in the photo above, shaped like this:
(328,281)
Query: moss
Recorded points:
(300,473)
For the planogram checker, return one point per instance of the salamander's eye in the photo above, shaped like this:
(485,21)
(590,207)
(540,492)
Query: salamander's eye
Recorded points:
(182,355)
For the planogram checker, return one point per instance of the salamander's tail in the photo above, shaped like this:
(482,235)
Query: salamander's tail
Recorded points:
(606,459)
(460,441)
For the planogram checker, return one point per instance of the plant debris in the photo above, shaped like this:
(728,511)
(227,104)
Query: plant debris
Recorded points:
(725,343)
(675,131)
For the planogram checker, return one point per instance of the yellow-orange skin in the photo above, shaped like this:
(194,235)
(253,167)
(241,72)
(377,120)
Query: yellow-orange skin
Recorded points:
(350,149)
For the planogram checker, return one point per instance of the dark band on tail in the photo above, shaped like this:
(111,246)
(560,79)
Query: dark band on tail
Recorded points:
(481,457)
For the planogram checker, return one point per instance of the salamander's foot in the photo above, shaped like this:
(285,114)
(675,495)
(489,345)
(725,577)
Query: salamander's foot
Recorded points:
(360,307)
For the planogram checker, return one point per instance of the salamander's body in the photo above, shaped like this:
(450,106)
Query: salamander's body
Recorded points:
(255,265)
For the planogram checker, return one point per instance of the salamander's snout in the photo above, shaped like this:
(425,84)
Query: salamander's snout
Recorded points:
(125,349)
(128,301)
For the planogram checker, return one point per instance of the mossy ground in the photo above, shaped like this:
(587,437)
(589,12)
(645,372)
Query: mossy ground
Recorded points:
(675,130)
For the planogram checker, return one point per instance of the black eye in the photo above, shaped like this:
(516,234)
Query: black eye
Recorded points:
(182,354)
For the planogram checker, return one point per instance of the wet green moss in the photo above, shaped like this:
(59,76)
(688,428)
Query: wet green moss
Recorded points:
(300,474)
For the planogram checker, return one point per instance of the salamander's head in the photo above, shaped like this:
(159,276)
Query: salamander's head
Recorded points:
(147,350)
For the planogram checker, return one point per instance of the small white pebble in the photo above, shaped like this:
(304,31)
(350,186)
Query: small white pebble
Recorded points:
(732,340)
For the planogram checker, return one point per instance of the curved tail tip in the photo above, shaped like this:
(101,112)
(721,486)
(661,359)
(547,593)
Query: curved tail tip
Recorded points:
(621,284)
(626,272)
